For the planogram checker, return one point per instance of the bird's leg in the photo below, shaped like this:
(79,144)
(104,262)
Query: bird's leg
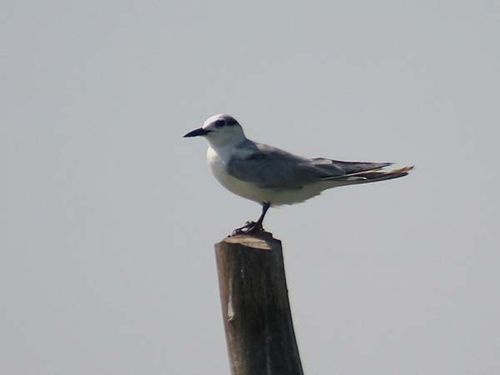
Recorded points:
(253,226)
(260,220)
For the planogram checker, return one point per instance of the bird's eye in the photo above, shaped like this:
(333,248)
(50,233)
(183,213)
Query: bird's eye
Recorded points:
(219,123)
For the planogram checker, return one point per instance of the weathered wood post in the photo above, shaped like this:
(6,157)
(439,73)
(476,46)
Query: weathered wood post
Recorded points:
(255,307)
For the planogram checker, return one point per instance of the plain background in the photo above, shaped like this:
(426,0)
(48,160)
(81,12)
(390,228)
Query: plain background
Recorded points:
(108,217)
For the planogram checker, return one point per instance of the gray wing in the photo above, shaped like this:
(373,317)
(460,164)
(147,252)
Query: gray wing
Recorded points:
(271,168)
(347,168)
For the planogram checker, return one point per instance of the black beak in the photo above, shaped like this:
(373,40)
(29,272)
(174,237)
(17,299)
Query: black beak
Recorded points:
(197,132)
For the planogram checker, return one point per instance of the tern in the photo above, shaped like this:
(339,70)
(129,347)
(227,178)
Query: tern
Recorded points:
(273,177)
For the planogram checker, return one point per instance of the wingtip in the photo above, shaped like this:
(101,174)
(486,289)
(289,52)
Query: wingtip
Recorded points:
(404,171)
(386,174)
(400,168)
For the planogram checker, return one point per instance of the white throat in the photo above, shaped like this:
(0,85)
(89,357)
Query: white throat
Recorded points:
(221,141)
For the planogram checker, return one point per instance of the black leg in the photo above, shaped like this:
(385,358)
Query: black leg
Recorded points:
(265,207)
(254,226)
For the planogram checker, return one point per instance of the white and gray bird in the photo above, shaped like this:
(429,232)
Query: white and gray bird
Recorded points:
(273,177)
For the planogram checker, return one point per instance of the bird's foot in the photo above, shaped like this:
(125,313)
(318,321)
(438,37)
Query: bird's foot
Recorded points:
(249,228)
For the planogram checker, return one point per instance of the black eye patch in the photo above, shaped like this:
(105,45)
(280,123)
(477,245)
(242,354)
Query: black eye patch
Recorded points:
(231,122)
(219,123)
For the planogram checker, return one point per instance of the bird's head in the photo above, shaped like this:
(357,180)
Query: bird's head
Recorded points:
(220,130)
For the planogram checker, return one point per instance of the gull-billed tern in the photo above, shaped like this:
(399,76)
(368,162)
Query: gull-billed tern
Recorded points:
(273,177)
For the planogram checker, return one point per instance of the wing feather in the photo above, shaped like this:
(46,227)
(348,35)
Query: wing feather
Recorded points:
(271,168)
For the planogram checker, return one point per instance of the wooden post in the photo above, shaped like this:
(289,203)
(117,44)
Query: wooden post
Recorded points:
(255,306)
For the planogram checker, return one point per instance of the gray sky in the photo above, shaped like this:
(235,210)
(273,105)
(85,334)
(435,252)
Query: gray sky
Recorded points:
(108,216)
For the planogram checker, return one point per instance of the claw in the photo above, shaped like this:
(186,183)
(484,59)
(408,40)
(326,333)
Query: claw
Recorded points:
(248,228)
(253,226)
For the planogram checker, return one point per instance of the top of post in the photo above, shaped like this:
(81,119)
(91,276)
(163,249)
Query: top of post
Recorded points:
(259,240)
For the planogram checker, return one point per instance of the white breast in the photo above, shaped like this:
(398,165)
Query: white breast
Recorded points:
(218,162)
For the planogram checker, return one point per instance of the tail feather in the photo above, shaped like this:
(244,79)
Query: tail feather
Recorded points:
(374,175)
(381,175)
(347,167)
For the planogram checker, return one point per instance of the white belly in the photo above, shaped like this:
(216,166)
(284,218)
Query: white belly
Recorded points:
(250,191)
